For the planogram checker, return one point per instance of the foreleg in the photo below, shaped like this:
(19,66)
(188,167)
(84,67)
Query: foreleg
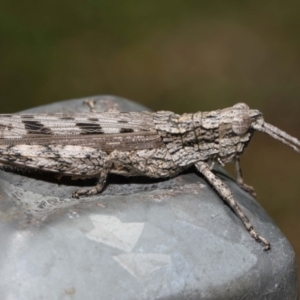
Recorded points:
(224,191)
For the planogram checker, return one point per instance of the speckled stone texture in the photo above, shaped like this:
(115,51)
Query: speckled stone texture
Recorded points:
(140,239)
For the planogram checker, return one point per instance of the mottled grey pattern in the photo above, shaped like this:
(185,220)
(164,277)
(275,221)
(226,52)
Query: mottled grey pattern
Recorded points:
(157,145)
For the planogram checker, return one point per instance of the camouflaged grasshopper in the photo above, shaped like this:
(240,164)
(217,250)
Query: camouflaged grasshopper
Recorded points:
(159,145)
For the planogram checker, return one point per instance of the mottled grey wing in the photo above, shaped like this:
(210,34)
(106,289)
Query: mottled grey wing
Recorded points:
(106,131)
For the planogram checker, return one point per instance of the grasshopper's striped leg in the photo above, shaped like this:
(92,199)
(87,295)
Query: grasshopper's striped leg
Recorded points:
(224,191)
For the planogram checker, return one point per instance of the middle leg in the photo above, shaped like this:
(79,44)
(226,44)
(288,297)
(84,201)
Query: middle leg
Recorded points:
(240,180)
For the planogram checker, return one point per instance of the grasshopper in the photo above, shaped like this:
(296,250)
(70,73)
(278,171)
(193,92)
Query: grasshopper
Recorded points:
(158,145)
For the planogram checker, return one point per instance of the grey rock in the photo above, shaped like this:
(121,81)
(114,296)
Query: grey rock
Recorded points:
(139,239)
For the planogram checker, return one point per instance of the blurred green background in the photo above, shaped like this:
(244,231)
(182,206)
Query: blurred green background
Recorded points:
(179,55)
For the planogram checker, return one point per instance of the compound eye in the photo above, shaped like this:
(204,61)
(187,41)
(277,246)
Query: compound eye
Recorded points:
(241,122)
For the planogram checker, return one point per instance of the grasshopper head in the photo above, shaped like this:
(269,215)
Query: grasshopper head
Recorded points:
(246,119)
(235,130)
(237,127)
